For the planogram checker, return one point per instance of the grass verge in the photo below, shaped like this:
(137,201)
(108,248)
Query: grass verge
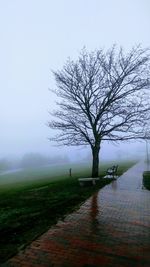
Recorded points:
(29,209)
(146,179)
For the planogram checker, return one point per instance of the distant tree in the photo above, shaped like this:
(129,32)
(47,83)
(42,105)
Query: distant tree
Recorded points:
(30,160)
(59,159)
(5,164)
(104,96)
(33,160)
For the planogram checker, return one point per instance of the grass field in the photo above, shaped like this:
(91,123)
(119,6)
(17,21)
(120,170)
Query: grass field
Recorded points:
(146,179)
(33,200)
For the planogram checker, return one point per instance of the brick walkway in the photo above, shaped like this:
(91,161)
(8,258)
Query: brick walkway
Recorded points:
(112,228)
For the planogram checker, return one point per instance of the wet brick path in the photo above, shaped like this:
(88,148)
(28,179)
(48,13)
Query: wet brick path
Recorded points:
(112,228)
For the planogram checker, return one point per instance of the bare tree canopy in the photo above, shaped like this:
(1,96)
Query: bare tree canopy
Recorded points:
(104,96)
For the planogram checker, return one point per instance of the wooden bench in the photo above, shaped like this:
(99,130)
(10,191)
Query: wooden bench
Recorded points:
(112,171)
(83,181)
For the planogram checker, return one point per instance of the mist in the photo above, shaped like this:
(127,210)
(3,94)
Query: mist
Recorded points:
(37,37)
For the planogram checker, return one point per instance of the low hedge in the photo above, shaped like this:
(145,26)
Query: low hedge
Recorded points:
(146,179)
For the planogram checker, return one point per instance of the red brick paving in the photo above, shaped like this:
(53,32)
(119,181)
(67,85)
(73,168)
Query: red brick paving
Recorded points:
(112,228)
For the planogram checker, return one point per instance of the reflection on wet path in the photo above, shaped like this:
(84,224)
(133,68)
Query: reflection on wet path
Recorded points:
(112,228)
(114,185)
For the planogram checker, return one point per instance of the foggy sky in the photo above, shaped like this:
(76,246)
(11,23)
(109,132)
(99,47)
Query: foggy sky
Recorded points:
(37,36)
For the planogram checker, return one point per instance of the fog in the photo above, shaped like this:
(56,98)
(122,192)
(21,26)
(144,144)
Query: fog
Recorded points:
(37,36)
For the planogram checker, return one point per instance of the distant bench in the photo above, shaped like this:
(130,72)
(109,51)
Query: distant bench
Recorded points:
(112,171)
(83,181)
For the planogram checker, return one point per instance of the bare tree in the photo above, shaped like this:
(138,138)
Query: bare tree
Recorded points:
(104,96)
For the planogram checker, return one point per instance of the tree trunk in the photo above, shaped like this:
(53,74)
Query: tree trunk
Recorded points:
(95,164)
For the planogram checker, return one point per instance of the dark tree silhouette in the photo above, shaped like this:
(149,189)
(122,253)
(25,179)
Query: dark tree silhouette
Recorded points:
(104,96)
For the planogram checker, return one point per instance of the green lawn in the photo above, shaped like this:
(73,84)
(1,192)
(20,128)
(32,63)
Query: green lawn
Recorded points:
(31,201)
(146,179)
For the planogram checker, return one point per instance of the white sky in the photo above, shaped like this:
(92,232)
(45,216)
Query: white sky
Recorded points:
(37,36)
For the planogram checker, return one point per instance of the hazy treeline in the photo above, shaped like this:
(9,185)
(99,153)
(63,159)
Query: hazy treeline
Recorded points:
(5,164)
(31,160)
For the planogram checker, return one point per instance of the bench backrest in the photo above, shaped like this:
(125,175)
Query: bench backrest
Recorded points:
(113,169)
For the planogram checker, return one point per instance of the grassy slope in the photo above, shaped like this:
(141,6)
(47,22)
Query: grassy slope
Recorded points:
(40,203)
(146,179)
